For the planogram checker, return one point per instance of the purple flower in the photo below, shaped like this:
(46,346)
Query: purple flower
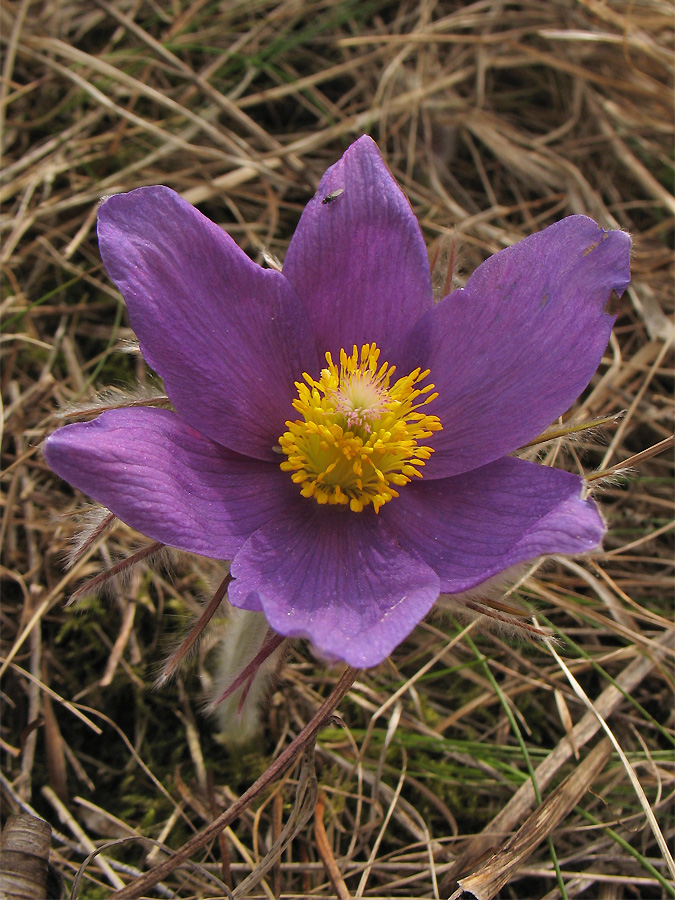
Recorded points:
(347,495)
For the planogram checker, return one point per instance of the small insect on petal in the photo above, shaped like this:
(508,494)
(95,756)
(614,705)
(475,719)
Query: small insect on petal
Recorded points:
(332,196)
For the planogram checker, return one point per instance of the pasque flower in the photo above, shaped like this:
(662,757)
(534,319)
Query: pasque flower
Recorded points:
(337,435)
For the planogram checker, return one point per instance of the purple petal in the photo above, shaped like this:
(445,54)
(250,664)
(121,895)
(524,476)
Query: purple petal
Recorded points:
(511,351)
(168,481)
(337,578)
(228,337)
(472,526)
(359,262)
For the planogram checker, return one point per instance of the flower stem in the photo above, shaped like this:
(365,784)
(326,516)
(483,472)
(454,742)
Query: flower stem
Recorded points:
(141,885)
(195,633)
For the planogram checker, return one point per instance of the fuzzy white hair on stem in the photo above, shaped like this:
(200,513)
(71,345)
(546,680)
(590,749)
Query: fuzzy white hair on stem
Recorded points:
(118,575)
(495,606)
(238,712)
(128,345)
(116,398)
(201,627)
(571,431)
(93,522)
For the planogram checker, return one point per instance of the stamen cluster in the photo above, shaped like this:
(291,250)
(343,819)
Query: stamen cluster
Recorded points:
(358,439)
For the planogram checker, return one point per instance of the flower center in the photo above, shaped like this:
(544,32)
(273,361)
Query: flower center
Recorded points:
(358,439)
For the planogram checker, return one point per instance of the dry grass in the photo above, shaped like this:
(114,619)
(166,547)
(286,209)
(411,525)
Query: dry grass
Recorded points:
(497,118)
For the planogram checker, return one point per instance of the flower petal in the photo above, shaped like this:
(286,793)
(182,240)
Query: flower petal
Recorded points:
(472,526)
(168,481)
(228,337)
(511,351)
(359,261)
(337,578)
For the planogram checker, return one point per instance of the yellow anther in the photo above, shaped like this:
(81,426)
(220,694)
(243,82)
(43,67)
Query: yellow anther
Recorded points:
(359,433)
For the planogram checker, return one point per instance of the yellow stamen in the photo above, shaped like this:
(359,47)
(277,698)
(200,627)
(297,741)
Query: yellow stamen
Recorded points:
(358,439)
